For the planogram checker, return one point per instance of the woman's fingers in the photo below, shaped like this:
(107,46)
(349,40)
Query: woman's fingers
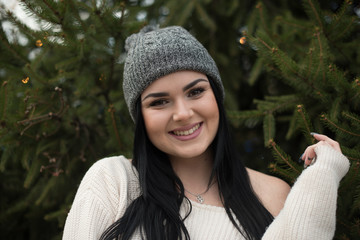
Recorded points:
(320,137)
(309,155)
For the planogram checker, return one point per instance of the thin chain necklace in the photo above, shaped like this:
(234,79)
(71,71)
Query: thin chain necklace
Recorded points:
(199,196)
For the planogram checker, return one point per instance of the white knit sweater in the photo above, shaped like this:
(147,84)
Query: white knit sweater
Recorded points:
(309,211)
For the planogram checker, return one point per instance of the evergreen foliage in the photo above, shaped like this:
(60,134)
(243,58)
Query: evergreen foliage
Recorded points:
(314,57)
(61,103)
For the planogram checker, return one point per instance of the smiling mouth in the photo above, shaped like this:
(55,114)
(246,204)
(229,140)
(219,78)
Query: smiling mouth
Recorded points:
(187,132)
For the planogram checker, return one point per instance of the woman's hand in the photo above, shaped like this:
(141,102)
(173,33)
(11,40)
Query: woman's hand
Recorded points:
(309,156)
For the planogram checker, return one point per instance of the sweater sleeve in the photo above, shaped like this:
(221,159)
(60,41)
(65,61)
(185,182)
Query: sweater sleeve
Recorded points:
(310,208)
(102,192)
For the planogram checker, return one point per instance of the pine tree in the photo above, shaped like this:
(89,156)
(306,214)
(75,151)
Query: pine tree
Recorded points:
(61,107)
(61,103)
(316,60)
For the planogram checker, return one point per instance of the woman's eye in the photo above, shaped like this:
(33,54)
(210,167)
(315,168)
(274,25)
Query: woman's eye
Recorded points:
(196,92)
(158,103)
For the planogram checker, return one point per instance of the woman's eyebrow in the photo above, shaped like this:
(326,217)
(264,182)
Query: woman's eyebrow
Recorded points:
(156,95)
(193,83)
(165,94)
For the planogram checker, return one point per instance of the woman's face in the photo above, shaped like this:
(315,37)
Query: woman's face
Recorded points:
(181,114)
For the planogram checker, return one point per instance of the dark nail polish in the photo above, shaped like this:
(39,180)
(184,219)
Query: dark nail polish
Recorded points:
(300,158)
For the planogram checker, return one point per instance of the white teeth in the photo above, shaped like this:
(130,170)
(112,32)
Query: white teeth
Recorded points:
(188,132)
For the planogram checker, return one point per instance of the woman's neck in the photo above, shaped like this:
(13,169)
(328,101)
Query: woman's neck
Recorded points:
(194,172)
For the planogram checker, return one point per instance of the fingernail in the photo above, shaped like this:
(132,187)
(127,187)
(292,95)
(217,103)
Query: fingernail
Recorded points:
(300,158)
(305,166)
(313,133)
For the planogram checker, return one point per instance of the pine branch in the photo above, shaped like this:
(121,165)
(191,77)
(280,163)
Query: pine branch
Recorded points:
(355,228)
(76,14)
(339,20)
(354,118)
(268,128)
(33,121)
(20,25)
(255,71)
(113,57)
(62,213)
(351,153)
(356,202)
(302,26)
(123,8)
(350,178)
(33,169)
(293,125)
(321,55)
(33,11)
(69,62)
(251,117)
(336,108)
(338,80)
(5,96)
(283,62)
(355,90)
(280,103)
(340,14)
(56,13)
(344,224)
(207,20)
(274,168)
(111,110)
(346,29)
(260,8)
(333,125)
(310,54)
(11,49)
(284,158)
(46,189)
(31,72)
(100,15)
(15,208)
(314,9)
(296,83)
(184,12)
(305,123)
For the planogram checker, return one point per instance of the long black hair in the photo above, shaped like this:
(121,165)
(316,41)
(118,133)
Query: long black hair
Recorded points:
(155,213)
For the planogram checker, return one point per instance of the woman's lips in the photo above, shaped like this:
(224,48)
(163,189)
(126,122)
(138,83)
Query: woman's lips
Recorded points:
(187,133)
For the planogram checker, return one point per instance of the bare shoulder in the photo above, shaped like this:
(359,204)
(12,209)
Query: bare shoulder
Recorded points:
(271,191)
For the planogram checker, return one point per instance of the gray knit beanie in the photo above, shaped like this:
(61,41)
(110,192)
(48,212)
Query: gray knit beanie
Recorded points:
(153,53)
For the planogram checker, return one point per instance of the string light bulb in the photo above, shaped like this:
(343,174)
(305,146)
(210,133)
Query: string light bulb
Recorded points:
(39,43)
(242,40)
(25,80)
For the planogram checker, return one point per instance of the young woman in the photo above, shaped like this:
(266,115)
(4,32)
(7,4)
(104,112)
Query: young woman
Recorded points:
(185,180)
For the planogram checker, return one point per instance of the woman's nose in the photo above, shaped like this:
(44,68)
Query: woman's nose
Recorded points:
(182,111)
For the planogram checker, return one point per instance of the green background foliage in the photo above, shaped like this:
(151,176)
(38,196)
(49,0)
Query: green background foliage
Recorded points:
(62,109)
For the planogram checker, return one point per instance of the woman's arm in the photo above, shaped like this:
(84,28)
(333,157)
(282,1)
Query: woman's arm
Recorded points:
(100,199)
(310,208)
(88,217)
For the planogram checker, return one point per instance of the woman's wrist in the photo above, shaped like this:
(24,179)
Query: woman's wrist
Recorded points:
(329,158)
